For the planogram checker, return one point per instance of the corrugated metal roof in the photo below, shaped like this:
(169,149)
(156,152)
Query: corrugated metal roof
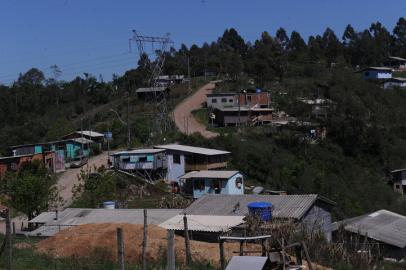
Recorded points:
(397,58)
(90,133)
(383,225)
(139,151)
(247,262)
(82,140)
(378,68)
(209,174)
(192,149)
(399,79)
(220,94)
(151,89)
(80,216)
(203,223)
(284,206)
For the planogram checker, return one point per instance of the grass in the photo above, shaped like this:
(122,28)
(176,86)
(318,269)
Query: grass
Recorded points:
(27,259)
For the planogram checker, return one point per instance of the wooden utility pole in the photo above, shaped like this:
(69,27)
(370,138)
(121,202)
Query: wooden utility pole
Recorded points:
(120,248)
(144,242)
(170,254)
(222,260)
(187,243)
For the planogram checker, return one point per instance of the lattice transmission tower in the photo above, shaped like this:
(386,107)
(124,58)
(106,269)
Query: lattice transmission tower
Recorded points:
(155,48)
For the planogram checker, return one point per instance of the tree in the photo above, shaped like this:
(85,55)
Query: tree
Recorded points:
(399,33)
(31,190)
(282,38)
(33,76)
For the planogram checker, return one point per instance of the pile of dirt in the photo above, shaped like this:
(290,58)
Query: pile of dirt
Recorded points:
(83,240)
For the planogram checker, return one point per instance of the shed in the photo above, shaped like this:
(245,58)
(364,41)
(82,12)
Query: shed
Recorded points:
(398,181)
(310,210)
(198,183)
(248,262)
(395,82)
(386,228)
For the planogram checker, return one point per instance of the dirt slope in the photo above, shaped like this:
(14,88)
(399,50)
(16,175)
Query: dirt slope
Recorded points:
(184,118)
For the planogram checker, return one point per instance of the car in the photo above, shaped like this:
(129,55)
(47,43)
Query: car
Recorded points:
(78,162)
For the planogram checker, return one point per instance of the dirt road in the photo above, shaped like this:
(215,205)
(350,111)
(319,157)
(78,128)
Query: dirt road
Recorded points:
(69,178)
(184,118)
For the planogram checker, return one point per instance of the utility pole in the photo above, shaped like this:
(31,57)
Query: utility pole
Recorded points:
(188,73)
(128,122)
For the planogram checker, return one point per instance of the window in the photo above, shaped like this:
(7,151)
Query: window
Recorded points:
(223,100)
(214,100)
(366,73)
(397,186)
(231,100)
(176,158)
(238,182)
(142,159)
(198,184)
(249,98)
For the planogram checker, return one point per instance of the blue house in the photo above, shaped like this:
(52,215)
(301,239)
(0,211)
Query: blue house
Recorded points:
(198,183)
(376,73)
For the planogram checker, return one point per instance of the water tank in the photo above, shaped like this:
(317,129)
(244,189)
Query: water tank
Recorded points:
(263,210)
(109,205)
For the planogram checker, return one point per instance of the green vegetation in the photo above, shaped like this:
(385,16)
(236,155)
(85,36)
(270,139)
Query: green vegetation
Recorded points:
(31,190)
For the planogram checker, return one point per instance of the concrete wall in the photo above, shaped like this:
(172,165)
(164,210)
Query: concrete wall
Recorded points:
(221,102)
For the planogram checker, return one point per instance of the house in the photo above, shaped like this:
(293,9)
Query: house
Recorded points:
(394,82)
(221,100)
(96,137)
(149,93)
(14,163)
(309,211)
(150,163)
(319,106)
(381,229)
(398,181)
(396,63)
(198,183)
(249,262)
(184,158)
(231,116)
(50,223)
(376,73)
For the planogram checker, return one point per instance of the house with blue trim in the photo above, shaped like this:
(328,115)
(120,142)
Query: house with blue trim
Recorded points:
(198,183)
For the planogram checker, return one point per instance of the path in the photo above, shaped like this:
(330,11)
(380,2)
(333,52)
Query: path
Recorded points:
(184,119)
(69,178)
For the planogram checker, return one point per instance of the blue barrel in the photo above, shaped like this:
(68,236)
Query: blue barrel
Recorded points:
(263,210)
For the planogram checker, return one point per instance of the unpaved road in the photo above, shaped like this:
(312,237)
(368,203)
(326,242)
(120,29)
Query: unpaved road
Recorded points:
(184,118)
(69,178)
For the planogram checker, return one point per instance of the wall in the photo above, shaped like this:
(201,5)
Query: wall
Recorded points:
(318,218)
(392,84)
(231,187)
(175,170)
(228,186)
(376,74)
(229,102)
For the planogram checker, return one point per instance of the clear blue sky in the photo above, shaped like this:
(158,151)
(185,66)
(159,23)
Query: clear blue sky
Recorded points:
(92,35)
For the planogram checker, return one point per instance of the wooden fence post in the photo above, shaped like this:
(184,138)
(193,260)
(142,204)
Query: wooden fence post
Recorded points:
(170,254)
(120,248)
(144,242)
(241,248)
(9,246)
(222,260)
(187,243)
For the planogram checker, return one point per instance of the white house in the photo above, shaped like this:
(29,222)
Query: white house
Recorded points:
(221,100)
(395,82)
(376,73)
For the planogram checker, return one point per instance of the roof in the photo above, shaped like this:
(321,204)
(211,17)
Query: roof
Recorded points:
(234,109)
(399,79)
(192,149)
(151,89)
(139,151)
(247,262)
(221,94)
(210,174)
(397,58)
(80,216)
(82,140)
(203,223)
(398,170)
(383,225)
(377,68)
(90,133)
(284,206)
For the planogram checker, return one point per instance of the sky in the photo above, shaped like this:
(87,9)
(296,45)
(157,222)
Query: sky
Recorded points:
(93,35)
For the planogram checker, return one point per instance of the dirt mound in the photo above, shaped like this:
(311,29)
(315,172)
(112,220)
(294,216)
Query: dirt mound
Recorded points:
(85,239)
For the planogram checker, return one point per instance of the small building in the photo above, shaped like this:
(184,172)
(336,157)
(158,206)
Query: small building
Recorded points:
(382,230)
(150,93)
(398,181)
(184,158)
(309,211)
(197,183)
(150,163)
(50,223)
(249,262)
(232,116)
(96,137)
(320,107)
(14,163)
(394,82)
(396,63)
(376,73)
(221,100)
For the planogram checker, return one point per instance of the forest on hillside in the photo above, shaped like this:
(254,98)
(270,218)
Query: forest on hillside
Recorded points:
(366,129)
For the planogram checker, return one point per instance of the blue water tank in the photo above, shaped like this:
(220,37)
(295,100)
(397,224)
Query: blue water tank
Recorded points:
(261,209)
